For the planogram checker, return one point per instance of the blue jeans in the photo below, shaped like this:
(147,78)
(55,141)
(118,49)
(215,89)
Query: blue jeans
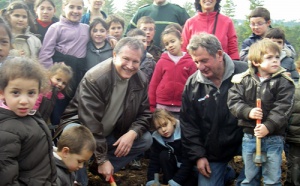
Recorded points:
(272,146)
(217,176)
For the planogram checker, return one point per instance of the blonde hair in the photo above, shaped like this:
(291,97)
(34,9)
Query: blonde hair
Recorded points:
(160,116)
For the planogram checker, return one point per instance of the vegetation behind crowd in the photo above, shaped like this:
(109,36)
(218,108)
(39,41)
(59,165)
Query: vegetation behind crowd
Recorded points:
(243,30)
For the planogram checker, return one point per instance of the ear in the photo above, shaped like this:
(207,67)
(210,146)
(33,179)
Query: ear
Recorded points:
(268,23)
(219,55)
(1,95)
(114,55)
(256,64)
(65,151)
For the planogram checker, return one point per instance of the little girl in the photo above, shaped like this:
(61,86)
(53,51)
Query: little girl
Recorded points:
(25,140)
(94,11)
(59,75)
(167,152)
(98,49)
(44,10)
(20,21)
(5,41)
(170,74)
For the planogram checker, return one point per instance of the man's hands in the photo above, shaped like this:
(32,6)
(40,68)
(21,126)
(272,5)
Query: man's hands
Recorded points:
(203,167)
(124,143)
(261,131)
(106,169)
(256,113)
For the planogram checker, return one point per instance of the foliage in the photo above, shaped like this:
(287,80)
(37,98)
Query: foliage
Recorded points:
(229,8)
(190,8)
(109,7)
(256,3)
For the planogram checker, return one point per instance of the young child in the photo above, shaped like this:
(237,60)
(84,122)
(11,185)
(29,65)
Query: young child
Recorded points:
(19,18)
(264,80)
(45,10)
(5,41)
(147,24)
(75,146)
(94,11)
(260,22)
(59,75)
(25,140)
(98,49)
(286,61)
(170,74)
(115,26)
(147,63)
(167,153)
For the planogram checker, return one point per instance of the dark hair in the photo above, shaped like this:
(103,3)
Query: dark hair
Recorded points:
(67,70)
(37,3)
(173,31)
(14,6)
(77,138)
(199,8)
(276,33)
(97,21)
(4,24)
(175,26)
(22,67)
(113,18)
(136,32)
(260,12)
(145,20)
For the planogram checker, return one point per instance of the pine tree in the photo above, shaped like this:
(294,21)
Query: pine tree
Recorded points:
(190,8)
(229,8)
(128,11)
(256,3)
(109,7)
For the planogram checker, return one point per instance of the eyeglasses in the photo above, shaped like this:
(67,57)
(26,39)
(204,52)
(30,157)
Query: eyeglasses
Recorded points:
(259,24)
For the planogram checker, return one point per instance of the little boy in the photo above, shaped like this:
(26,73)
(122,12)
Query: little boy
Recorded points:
(76,145)
(147,63)
(260,21)
(147,24)
(266,80)
(286,61)
(115,26)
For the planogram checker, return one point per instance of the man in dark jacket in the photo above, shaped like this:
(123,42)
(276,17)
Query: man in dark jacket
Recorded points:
(209,131)
(112,102)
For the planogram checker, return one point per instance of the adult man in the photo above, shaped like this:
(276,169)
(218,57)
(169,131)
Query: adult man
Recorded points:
(163,14)
(112,102)
(209,130)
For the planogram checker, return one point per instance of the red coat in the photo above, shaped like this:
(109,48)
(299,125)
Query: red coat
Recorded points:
(204,22)
(168,80)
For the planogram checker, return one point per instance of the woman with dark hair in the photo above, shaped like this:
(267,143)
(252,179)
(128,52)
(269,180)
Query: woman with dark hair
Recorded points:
(208,19)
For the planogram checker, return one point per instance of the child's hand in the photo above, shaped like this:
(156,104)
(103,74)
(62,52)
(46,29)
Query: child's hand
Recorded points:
(256,113)
(260,131)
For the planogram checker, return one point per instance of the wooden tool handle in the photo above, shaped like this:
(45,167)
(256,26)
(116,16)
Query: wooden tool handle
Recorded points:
(112,181)
(258,104)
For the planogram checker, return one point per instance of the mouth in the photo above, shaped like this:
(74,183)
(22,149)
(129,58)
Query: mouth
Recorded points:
(23,110)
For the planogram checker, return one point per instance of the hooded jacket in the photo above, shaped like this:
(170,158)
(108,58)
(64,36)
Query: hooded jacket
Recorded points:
(287,62)
(168,80)
(293,130)
(26,150)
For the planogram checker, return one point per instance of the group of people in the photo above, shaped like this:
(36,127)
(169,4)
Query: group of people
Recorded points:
(173,85)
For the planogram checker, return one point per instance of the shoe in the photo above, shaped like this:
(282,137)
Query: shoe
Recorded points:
(135,165)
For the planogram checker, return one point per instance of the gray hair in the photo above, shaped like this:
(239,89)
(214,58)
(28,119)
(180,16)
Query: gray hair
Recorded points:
(208,41)
(131,42)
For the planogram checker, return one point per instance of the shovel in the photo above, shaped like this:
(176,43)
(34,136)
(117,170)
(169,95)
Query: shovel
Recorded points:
(258,157)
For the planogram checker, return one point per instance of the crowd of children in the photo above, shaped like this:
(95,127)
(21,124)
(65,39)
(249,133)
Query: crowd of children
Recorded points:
(43,59)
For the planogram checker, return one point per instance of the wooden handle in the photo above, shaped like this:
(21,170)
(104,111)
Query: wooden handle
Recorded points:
(258,104)
(112,181)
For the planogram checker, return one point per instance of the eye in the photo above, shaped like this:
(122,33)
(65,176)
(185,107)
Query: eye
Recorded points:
(15,92)
(32,93)
(58,79)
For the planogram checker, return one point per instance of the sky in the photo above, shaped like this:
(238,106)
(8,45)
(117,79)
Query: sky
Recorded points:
(286,9)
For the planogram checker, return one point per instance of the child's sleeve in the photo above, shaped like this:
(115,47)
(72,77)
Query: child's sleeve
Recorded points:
(153,166)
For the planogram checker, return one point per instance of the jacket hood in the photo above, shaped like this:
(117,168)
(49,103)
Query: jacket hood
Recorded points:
(285,52)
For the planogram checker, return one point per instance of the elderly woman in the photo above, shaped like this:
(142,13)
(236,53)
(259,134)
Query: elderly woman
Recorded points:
(208,19)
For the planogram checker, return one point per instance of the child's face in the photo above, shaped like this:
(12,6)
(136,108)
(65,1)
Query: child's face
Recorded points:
(172,44)
(280,42)
(60,80)
(143,39)
(4,44)
(73,10)
(149,29)
(45,11)
(20,95)
(18,20)
(97,4)
(116,30)
(269,65)
(98,35)
(75,161)
(259,25)
(165,127)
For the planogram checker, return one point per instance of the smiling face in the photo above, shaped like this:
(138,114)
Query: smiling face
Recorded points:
(159,2)
(208,5)
(20,95)
(73,10)
(96,4)
(4,44)
(60,80)
(45,11)
(127,62)
(98,35)
(18,20)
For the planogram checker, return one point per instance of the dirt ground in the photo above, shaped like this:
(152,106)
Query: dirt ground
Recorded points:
(129,177)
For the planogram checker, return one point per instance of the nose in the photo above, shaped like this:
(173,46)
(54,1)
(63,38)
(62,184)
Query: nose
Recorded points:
(23,100)
(200,66)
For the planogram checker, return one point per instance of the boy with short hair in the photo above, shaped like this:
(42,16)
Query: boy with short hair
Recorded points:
(115,26)
(264,80)
(147,24)
(260,21)
(286,61)
(76,145)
